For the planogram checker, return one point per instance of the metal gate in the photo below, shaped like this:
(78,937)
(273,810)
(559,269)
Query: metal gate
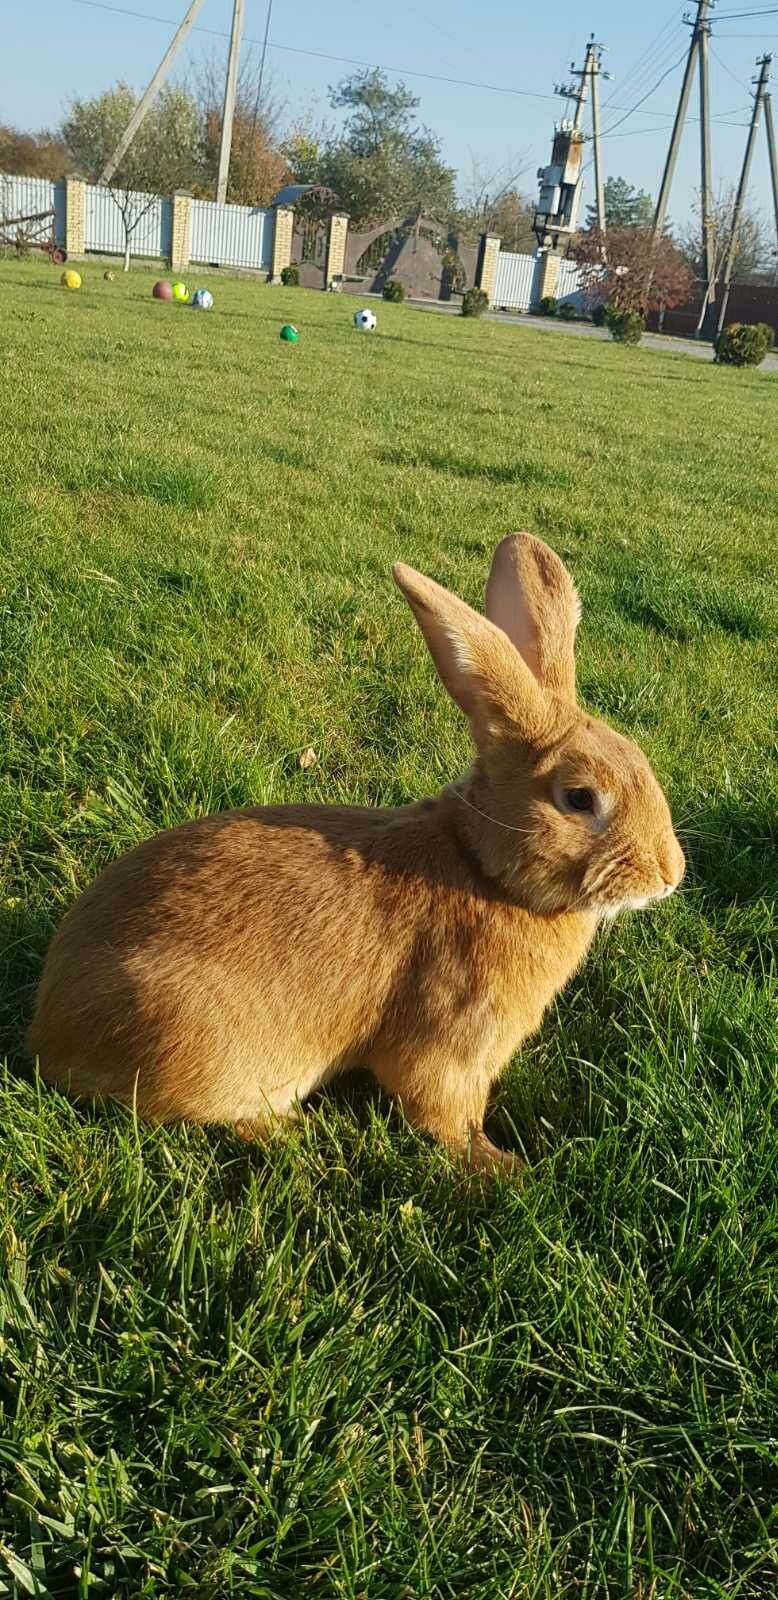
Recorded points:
(309,251)
(568,286)
(518,280)
(231,236)
(428,259)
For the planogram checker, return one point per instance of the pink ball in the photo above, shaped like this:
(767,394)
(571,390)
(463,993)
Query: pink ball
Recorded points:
(162,290)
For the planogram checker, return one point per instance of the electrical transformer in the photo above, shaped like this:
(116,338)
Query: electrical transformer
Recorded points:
(556,216)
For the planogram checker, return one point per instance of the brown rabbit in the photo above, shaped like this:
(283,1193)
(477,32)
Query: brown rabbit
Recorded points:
(225,969)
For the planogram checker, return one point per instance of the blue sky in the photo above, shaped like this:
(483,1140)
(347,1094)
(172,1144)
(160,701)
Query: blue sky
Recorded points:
(57,48)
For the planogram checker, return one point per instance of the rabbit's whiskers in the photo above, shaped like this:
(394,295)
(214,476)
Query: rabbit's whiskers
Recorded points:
(508,825)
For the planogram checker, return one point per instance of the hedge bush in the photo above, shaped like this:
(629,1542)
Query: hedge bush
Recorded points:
(394,290)
(744,344)
(290,276)
(567,312)
(626,327)
(474,303)
(547,307)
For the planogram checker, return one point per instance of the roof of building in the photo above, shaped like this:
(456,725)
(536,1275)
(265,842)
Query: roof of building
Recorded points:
(292,192)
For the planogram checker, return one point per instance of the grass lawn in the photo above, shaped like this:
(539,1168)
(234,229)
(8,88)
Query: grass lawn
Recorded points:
(337,1366)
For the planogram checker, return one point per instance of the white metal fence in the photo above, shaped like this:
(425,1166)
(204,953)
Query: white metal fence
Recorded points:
(234,236)
(231,236)
(149,219)
(519,277)
(23,197)
(568,286)
(517,281)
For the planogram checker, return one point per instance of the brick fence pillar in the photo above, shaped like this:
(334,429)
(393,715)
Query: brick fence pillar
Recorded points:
(550,275)
(283,233)
(75,215)
(336,248)
(486,273)
(181,231)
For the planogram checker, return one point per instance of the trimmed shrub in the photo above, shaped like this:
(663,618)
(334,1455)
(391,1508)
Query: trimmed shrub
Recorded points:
(474,303)
(567,312)
(290,276)
(393,290)
(744,344)
(547,307)
(626,327)
(601,314)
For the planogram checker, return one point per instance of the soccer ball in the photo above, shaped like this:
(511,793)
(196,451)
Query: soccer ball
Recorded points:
(70,279)
(202,300)
(365,320)
(180,293)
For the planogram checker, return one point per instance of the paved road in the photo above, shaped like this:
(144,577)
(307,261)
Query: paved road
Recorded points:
(586,330)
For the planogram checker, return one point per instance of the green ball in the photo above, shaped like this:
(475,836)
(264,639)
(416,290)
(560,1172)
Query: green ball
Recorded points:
(180,293)
(289,333)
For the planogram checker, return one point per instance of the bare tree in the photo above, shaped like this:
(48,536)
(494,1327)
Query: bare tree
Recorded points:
(492,203)
(755,256)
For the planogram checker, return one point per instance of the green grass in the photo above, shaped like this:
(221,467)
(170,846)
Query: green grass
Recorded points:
(336,1366)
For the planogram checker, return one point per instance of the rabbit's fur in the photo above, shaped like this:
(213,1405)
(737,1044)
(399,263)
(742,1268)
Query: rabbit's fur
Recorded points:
(225,969)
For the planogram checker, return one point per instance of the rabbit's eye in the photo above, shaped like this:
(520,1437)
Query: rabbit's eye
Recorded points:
(579,799)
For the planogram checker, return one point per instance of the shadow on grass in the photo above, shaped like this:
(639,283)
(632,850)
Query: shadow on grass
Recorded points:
(459,350)
(24,939)
(681,609)
(525,471)
(26,283)
(733,851)
(171,483)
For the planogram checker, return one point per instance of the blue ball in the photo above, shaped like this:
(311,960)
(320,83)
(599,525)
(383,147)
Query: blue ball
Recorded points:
(202,300)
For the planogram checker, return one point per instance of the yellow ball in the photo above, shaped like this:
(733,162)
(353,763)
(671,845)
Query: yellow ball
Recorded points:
(180,293)
(70,279)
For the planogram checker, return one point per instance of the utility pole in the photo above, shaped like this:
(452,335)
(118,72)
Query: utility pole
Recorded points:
(768,122)
(228,113)
(589,76)
(700,22)
(761,82)
(706,186)
(599,187)
(151,93)
(579,94)
(708,253)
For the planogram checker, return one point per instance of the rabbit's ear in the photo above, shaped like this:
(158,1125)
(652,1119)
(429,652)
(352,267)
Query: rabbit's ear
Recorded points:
(477,664)
(531,596)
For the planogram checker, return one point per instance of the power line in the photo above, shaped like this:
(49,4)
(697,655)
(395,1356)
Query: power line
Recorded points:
(321,55)
(258,95)
(739,16)
(350,61)
(661,61)
(635,133)
(732,75)
(646,96)
(645,63)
